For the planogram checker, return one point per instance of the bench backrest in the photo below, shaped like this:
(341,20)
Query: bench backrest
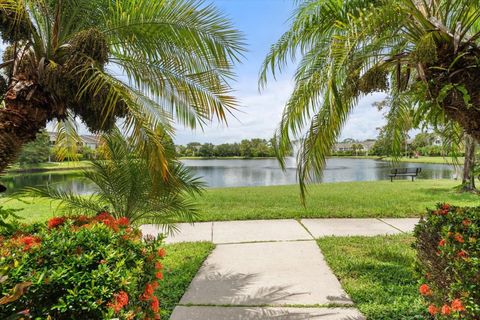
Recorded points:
(407,171)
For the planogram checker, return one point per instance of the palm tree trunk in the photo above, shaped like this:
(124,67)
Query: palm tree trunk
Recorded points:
(468,181)
(25,113)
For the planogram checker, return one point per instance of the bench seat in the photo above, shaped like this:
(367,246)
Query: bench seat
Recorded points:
(405,172)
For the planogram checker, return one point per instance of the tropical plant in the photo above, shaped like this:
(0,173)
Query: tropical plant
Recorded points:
(424,53)
(126,189)
(448,260)
(145,62)
(80,268)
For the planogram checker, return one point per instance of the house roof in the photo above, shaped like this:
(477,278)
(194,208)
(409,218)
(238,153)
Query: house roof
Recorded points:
(86,138)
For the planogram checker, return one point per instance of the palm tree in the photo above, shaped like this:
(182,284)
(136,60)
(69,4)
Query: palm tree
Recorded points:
(423,52)
(144,62)
(125,188)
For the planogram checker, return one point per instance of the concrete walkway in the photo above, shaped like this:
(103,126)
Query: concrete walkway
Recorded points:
(271,269)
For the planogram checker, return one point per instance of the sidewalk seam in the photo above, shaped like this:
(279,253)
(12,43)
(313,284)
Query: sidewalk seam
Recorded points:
(391,225)
(211,232)
(306,229)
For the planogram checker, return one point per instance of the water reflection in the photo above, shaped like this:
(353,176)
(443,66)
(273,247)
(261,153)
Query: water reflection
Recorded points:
(262,172)
(237,173)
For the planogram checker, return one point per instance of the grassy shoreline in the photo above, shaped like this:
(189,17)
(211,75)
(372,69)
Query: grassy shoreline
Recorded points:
(426,160)
(371,199)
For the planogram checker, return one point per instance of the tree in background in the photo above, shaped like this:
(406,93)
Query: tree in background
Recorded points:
(37,151)
(254,148)
(166,60)
(207,150)
(192,149)
(426,51)
(246,148)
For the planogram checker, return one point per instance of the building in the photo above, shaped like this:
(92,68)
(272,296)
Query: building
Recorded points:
(354,146)
(90,141)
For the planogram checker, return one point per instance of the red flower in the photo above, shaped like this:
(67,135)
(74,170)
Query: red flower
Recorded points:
(29,242)
(123,222)
(155,304)
(55,222)
(154,285)
(442,243)
(446,206)
(446,310)
(425,290)
(433,310)
(159,275)
(158,266)
(104,216)
(466,222)
(161,252)
(457,305)
(462,254)
(120,301)
(459,238)
(148,293)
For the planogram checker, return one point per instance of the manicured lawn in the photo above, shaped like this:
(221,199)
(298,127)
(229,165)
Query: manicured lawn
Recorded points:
(377,273)
(181,264)
(341,200)
(50,166)
(434,160)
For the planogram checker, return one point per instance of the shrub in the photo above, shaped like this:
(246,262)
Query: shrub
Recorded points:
(448,250)
(80,268)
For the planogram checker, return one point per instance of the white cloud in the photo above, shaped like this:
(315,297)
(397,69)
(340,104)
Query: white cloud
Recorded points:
(260,115)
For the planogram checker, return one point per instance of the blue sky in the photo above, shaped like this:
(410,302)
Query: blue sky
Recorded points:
(262,23)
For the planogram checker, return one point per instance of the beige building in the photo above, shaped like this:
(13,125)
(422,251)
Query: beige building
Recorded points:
(90,141)
(366,146)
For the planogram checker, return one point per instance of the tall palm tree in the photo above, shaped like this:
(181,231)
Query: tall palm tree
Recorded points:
(144,62)
(425,52)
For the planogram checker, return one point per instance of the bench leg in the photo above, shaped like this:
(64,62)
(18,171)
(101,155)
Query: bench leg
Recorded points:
(391,179)
(413,178)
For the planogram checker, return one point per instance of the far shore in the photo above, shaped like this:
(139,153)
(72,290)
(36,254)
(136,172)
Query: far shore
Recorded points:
(85,164)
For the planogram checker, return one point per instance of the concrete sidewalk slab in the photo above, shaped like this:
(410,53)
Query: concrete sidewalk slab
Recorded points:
(252,313)
(258,274)
(258,230)
(201,231)
(347,227)
(404,224)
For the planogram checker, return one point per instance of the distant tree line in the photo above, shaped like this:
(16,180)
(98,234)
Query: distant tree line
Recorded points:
(424,144)
(254,148)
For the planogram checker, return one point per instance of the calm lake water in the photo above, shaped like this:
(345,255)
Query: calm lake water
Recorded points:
(238,173)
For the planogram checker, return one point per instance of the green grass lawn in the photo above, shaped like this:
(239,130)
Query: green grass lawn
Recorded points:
(181,264)
(50,166)
(377,273)
(341,200)
(433,160)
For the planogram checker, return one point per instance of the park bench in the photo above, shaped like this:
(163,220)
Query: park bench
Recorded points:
(405,172)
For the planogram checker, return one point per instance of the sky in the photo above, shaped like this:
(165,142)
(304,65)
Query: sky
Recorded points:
(262,22)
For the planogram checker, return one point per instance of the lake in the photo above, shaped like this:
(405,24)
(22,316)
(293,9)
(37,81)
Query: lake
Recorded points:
(219,173)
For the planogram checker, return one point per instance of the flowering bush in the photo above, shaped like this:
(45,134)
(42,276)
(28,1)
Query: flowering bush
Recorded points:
(448,249)
(80,268)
